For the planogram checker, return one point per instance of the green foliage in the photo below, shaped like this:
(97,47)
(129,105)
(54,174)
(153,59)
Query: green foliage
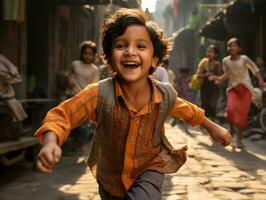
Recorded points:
(199,18)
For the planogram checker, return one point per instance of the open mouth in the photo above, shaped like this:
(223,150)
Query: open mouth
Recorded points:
(131,65)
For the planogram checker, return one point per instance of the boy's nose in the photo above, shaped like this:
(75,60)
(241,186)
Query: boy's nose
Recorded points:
(130,51)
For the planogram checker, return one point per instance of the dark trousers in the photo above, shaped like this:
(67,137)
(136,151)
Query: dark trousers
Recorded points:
(147,187)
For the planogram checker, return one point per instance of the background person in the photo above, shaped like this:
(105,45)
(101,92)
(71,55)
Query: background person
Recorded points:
(81,73)
(9,75)
(183,81)
(160,74)
(209,91)
(260,62)
(183,90)
(240,91)
(171,74)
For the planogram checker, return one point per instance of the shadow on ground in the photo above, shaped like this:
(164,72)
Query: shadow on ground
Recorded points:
(242,158)
(22,182)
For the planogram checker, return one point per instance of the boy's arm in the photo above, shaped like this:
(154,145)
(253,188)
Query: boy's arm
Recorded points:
(70,114)
(187,112)
(59,122)
(220,134)
(194,116)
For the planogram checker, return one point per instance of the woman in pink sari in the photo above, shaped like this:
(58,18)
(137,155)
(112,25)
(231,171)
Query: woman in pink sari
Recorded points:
(240,91)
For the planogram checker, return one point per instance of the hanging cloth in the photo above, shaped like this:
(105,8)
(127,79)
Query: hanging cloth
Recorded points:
(10,9)
(21,11)
(14,10)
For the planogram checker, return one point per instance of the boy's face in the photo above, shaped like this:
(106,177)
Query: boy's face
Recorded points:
(132,54)
(233,48)
(88,55)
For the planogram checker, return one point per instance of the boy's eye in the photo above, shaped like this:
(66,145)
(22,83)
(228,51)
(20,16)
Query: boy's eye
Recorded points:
(141,46)
(119,46)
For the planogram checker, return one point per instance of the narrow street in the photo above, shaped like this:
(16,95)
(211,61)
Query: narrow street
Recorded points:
(211,172)
(213,53)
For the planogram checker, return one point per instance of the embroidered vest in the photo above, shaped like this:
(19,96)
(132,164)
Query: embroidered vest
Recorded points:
(100,154)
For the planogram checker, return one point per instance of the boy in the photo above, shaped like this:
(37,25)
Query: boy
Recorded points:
(81,73)
(129,154)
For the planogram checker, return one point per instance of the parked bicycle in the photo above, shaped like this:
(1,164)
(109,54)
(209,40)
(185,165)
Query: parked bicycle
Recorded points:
(257,120)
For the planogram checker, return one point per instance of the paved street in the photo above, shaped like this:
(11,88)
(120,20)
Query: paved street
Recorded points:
(211,172)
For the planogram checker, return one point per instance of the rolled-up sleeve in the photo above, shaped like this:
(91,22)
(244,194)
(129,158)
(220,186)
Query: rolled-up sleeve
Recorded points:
(70,114)
(251,65)
(188,112)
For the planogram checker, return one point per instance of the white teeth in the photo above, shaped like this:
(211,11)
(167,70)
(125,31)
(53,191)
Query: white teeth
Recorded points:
(130,63)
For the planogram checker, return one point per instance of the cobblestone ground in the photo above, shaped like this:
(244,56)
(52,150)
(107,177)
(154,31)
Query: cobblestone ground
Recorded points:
(211,172)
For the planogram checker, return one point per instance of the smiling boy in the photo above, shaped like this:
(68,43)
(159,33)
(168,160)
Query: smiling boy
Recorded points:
(130,153)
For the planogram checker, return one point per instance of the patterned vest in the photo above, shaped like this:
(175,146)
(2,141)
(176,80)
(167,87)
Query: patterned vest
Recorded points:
(100,155)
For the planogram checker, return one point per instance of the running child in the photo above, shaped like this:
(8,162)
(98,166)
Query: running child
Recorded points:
(130,153)
(240,91)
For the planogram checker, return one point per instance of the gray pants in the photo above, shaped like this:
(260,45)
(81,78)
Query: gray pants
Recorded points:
(146,187)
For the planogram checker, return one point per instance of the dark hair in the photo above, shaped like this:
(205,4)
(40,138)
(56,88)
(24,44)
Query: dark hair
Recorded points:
(87,44)
(166,62)
(234,40)
(214,48)
(115,26)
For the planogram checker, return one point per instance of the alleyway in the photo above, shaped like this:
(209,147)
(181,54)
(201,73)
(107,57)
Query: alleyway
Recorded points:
(211,172)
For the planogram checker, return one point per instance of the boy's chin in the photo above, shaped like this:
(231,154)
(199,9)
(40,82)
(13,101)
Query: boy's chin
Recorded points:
(128,79)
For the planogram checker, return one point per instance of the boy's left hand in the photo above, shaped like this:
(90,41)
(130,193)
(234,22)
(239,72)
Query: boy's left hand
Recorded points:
(223,137)
(220,134)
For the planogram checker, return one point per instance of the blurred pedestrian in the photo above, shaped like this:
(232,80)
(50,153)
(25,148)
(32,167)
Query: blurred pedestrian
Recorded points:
(260,62)
(240,91)
(183,80)
(209,91)
(171,74)
(130,153)
(160,74)
(104,70)
(184,92)
(81,73)
(9,75)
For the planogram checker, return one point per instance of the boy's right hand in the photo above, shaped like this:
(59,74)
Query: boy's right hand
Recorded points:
(48,157)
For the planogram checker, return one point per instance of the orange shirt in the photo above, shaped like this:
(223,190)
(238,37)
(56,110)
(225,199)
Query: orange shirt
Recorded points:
(83,106)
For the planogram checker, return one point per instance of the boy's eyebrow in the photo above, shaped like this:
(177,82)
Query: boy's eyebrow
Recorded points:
(119,39)
(143,40)
(124,39)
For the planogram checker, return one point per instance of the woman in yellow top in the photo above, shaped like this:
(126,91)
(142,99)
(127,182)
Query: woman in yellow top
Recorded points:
(209,91)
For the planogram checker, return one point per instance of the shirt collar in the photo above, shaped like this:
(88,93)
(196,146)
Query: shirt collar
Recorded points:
(156,95)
